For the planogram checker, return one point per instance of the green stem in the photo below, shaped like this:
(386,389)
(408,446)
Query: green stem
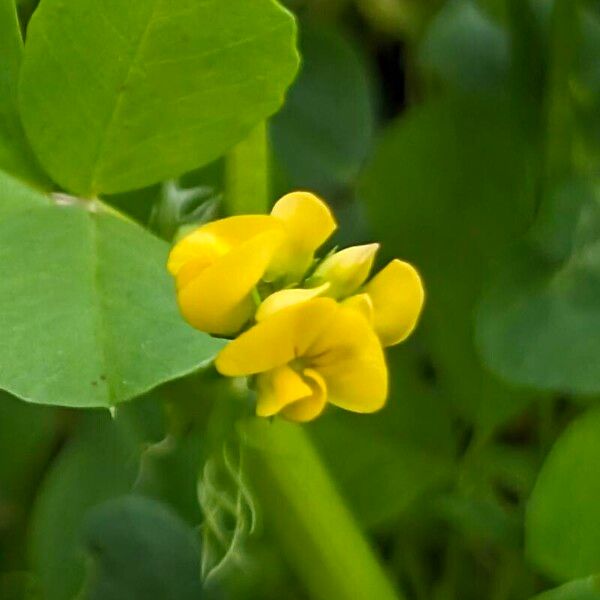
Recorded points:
(527,64)
(308,517)
(300,505)
(563,54)
(247,174)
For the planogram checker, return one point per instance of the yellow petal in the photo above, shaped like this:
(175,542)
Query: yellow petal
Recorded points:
(284,298)
(234,231)
(307,218)
(296,397)
(397,295)
(308,223)
(198,249)
(203,246)
(311,406)
(277,340)
(217,299)
(349,357)
(347,269)
(361,303)
(279,388)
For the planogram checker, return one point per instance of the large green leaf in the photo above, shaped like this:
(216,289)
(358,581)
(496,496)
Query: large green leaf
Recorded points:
(449,188)
(539,324)
(87,309)
(116,95)
(16,197)
(325,130)
(563,516)
(141,550)
(15,154)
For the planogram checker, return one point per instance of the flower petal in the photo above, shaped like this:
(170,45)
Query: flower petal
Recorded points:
(279,388)
(284,298)
(277,340)
(311,406)
(397,295)
(239,229)
(350,358)
(199,249)
(217,299)
(307,218)
(361,303)
(308,223)
(207,243)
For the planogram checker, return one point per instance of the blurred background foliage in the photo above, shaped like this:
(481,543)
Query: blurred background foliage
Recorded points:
(465,136)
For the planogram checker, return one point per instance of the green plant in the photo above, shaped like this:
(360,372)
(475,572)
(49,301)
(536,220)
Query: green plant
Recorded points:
(129,468)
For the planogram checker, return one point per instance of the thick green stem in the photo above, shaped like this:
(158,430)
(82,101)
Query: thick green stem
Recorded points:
(563,54)
(527,64)
(247,174)
(300,505)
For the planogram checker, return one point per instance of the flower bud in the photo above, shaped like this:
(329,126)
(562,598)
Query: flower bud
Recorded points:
(346,270)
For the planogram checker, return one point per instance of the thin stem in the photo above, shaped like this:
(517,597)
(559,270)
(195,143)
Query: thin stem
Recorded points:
(318,535)
(247,174)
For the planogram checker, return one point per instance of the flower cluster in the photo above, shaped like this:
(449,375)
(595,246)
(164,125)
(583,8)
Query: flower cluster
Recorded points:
(310,331)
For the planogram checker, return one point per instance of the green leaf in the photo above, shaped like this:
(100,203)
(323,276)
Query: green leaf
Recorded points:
(15,155)
(153,90)
(458,175)
(539,323)
(563,515)
(323,133)
(465,48)
(581,589)
(16,197)
(99,463)
(87,309)
(140,550)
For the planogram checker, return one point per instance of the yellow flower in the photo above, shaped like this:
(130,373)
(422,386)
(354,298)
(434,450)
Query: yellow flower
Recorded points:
(307,354)
(217,266)
(391,302)
(307,346)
